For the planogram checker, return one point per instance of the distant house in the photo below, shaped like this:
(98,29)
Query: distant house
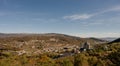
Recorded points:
(86,46)
(21,52)
(105,47)
(76,51)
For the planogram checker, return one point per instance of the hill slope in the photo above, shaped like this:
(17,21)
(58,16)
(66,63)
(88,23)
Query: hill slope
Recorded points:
(115,41)
(50,37)
(42,42)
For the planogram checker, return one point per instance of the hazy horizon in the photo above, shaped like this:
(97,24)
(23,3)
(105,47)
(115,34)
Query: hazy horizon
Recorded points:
(76,35)
(83,18)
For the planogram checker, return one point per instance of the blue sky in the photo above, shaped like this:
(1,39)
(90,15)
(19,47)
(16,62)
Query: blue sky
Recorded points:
(84,18)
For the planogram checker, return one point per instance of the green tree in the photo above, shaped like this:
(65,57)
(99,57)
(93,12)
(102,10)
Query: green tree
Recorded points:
(45,61)
(67,62)
(92,61)
(80,60)
(115,58)
(100,63)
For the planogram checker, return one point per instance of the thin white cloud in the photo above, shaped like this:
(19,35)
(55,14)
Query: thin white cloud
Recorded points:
(88,16)
(106,22)
(98,34)
(77,17)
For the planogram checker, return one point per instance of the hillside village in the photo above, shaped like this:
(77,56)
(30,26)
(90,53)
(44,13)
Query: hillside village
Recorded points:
(48,43)
(31,48)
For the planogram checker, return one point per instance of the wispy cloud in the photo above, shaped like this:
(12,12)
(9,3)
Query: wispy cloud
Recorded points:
(98,34)
(77,17)
(88,16)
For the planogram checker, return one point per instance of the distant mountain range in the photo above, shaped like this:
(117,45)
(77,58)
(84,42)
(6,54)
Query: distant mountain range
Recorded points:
(51,34)
(115,41)
(61,37)
(109,38)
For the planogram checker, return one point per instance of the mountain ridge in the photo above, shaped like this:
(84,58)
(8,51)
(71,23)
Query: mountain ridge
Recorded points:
(115,41)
